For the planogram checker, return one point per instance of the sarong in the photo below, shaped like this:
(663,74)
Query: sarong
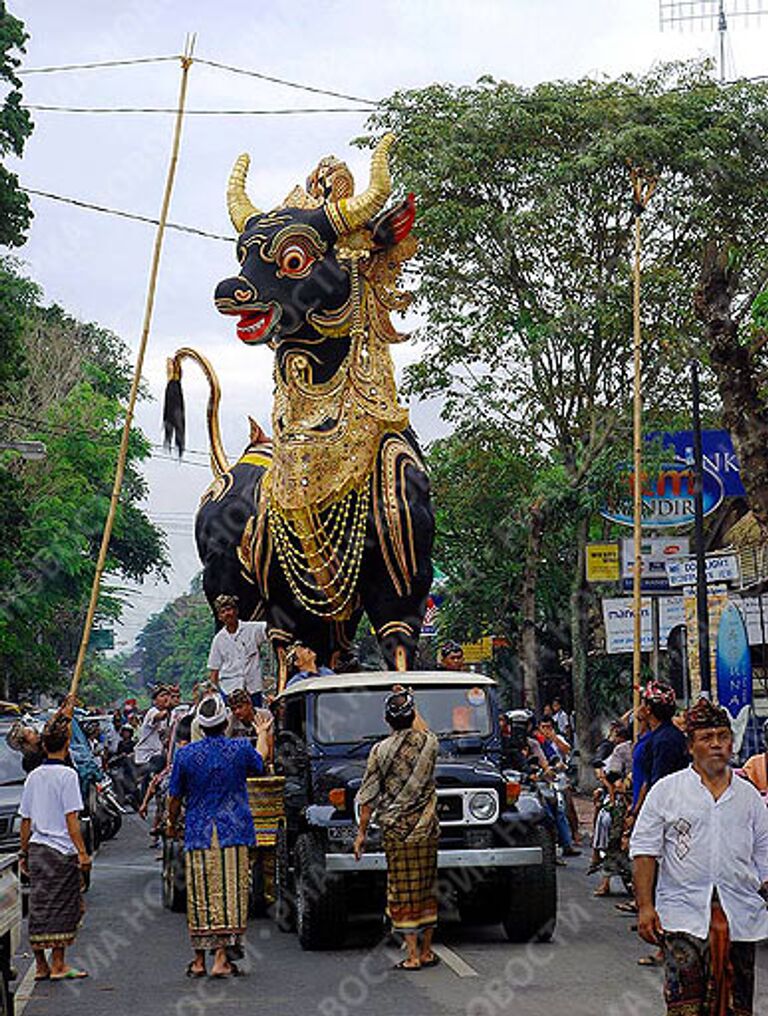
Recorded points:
(217,895)
(411,884)
(709,977)
(55,899)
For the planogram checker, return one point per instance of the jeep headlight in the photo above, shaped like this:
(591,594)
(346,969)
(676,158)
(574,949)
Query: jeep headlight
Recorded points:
(482,806)
(16,826)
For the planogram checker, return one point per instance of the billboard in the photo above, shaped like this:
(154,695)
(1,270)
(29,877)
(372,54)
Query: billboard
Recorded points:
(667,497)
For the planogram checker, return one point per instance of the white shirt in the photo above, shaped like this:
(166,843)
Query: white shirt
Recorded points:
(236,656)
(150,742)
(50,793)
(703,844)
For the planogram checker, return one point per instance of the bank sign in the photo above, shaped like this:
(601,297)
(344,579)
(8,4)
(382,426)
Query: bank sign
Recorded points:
(667,498)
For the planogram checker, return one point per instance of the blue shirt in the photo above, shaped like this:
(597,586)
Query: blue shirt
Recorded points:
(639,766)
(211,775)
(304,674)
(667,752)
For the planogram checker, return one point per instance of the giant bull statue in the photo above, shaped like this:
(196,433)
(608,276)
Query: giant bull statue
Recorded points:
(333,516)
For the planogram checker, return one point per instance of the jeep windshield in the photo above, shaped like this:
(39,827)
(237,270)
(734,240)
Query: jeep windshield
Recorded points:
(349,717)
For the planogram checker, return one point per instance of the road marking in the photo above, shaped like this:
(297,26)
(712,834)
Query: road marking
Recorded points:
(454,961)
(24,991)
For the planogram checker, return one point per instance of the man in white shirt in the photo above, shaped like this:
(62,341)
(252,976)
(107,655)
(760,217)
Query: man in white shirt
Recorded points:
(150,743)
(234,661)
(705,832)
(53,854)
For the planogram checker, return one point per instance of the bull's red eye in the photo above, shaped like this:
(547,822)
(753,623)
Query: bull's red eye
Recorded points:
(294,260)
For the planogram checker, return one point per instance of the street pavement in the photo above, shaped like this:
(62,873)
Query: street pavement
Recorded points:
(136,953)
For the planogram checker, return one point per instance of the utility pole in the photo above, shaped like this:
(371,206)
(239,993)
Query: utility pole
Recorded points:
(702,599)
(710,14)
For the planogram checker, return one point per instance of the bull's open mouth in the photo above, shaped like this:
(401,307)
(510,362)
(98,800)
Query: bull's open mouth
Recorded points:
(258,325)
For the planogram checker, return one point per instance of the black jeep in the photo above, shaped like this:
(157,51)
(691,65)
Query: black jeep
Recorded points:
(496,858)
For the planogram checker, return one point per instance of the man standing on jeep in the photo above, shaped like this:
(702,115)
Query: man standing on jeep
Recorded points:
(399,787)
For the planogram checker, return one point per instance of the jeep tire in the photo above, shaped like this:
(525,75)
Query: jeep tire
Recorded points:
(174,876)
(321,913)
(532,900)
(284,911)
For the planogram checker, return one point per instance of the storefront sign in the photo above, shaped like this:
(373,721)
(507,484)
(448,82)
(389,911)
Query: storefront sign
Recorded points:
(667,498)
(656,551)
(723,568)
(719,456)
(603,562)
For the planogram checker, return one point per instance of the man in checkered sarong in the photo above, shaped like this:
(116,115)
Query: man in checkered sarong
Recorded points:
(399,788)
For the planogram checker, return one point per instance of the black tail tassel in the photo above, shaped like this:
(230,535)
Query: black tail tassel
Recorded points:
(173,416)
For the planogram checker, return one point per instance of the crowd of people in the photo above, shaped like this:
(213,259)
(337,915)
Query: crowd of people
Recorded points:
(679,827)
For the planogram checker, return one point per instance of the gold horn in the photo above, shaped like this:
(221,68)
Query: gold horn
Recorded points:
(239,204)
(354,211)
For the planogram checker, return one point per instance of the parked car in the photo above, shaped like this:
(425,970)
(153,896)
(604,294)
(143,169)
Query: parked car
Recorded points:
(12,778)
(496,855)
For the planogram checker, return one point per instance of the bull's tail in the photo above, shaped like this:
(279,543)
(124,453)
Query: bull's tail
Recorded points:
(173,409)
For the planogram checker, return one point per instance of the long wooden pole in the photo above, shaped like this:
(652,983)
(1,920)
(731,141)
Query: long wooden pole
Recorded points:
(186,63)
(643,188)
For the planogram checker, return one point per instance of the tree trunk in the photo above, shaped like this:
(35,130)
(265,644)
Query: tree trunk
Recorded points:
(745,413)
(579,602)
(529,646)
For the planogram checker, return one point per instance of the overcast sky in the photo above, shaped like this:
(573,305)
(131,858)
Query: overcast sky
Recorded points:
(96,266)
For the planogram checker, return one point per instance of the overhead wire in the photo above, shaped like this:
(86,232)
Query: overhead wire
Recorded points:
(97,65)
(197,112)
(135,216)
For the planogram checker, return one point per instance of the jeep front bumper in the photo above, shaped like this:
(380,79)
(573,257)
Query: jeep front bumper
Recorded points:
(492,857)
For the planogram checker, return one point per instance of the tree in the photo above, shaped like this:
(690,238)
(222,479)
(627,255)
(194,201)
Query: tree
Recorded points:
(175,643)
(524,270)
(15,128)
(55,509)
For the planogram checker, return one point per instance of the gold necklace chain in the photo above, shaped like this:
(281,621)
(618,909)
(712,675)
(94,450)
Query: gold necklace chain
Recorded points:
(308,551)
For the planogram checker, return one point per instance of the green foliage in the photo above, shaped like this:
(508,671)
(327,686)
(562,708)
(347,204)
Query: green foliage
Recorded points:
(482,484)
(105,682)
(54,510)
(175,643)
(15,128)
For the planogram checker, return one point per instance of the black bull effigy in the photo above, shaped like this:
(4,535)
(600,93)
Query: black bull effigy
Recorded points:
(332,517)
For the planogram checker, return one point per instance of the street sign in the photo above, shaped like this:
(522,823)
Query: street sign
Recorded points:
(723,568)
(603,562)
(619,619)
(656,552)
(476,652)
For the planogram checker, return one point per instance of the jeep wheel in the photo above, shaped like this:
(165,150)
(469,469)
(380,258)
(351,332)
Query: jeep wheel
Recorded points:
(257,903)
(174,877)
(321,917)
(283,913)
(532,901)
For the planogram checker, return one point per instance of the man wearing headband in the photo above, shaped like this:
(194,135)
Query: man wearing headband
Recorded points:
(451,656)
(234,660)
(705,834)
(399,788)
(665,750)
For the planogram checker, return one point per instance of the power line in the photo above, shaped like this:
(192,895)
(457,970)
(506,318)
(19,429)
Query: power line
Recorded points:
(283,81)
(196,112)
(126,215)
(208,63)
(100,64)
(62,430)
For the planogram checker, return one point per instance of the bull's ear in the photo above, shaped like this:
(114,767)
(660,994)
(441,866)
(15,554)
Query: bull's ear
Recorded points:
(394,225)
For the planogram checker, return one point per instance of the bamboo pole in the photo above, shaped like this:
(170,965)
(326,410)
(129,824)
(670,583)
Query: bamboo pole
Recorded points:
(186,63)
(643,187)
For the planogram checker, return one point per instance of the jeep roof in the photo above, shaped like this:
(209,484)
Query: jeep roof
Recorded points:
(385,679)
